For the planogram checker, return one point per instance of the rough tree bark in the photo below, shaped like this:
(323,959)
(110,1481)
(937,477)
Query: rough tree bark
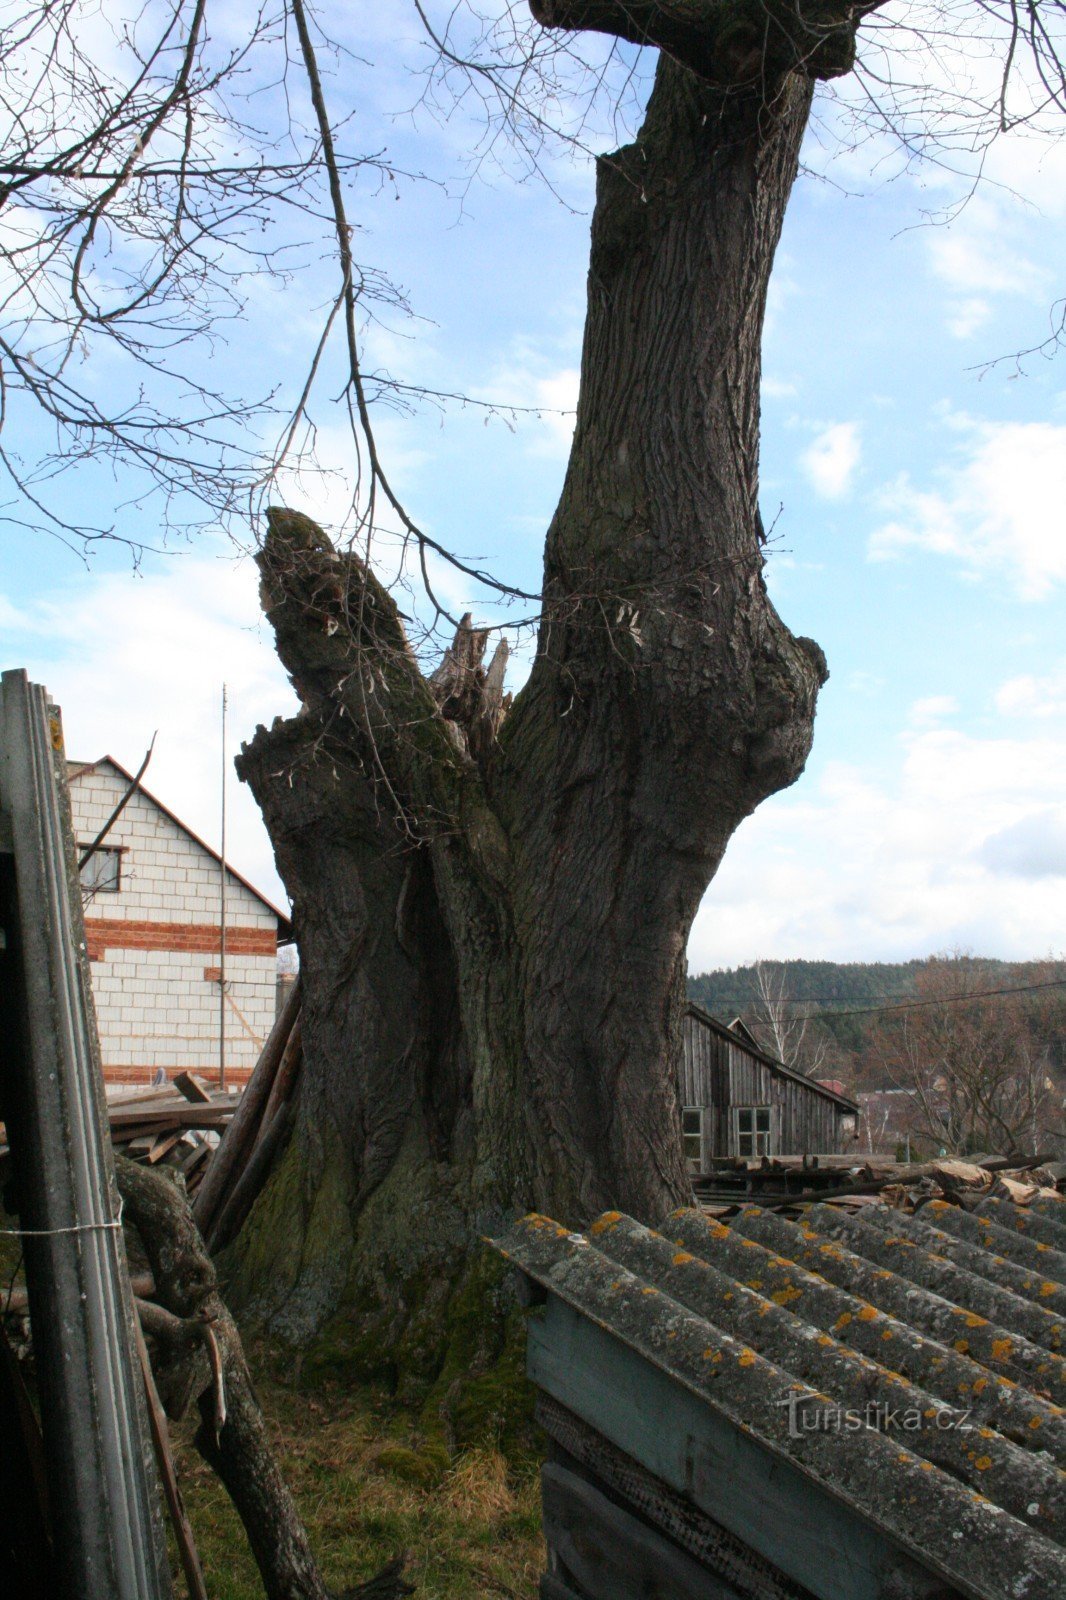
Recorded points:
(493,909)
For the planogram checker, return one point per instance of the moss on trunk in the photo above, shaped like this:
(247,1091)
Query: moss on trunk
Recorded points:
(492,920)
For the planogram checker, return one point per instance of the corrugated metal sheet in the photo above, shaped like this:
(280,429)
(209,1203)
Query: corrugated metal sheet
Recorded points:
(907,1369)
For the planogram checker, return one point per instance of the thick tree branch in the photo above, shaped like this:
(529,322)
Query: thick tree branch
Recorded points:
(731,43)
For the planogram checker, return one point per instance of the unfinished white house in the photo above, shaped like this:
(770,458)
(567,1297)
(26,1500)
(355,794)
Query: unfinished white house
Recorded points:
(153,924)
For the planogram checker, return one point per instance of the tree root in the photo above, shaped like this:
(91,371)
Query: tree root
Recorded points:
(232,1436)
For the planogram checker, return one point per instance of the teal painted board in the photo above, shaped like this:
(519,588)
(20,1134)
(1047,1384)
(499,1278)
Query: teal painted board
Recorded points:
(782,1513)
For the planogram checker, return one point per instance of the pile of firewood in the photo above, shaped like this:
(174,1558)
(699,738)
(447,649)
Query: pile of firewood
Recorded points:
(952,1178)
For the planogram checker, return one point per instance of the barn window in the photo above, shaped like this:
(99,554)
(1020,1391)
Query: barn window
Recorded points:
(752,1130)
(692,1135)
(102,873)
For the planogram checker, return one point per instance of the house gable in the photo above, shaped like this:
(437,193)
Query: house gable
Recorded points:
(167,871)
(154,938)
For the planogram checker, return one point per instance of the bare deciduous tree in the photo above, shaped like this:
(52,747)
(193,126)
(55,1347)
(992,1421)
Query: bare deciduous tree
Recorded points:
(492,899)
(785,1026)
(976,1067)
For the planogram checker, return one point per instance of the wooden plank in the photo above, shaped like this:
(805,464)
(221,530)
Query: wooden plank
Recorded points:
(576,1446)
(613,1555)
(287,1074)
(193,1088)
(232,1153)
(181,1115)
(786,1516)
(163,1145)
(197,1154)
(242,1196)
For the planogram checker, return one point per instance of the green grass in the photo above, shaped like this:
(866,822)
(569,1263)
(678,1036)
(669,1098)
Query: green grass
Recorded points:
(473,1531)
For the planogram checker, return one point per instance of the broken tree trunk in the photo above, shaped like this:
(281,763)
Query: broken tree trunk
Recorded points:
(493,908)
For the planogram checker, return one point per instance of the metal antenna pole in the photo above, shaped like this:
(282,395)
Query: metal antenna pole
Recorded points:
(222,917)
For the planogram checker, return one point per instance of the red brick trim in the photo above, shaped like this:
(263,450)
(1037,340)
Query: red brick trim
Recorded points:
(143,1075)
(109,933)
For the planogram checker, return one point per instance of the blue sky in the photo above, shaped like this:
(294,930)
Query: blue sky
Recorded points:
(919,499)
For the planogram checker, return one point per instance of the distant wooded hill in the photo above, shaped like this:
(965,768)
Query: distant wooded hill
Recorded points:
(836,984)
(839,986)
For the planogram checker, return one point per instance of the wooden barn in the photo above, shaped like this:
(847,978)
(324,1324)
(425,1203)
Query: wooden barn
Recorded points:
(738,1101)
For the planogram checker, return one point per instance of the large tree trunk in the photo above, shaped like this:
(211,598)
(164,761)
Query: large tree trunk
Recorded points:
(493,917)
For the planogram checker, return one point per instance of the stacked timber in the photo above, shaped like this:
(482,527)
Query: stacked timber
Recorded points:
(223,1147)
(780,1183)
(255,1134)
(177,1126)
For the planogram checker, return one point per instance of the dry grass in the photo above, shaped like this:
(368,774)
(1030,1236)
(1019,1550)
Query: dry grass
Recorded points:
(476,1533)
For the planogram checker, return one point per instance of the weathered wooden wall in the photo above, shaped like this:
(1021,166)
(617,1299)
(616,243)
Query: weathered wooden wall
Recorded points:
(718,1074)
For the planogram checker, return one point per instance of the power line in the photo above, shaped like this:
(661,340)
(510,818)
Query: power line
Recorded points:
(911,1005)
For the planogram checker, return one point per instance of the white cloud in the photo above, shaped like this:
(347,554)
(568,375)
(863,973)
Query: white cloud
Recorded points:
(558,393)
(526,379)
(931,710)
(1033,847)
(1032,696)
(125,655)
(974,254)
(830,462)
(967,317)
(958,846)
(999,511)
(778,389)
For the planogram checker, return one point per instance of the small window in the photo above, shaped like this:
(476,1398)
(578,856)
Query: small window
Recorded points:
(753,1131)
(102,873)
(692,1135)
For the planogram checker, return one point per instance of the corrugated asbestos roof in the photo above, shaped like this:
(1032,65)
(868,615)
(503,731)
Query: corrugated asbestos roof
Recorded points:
(952,1320)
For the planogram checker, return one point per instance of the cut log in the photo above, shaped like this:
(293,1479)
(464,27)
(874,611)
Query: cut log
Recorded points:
(246,1189)
(962,1173)
(241,1133)
(288,1072)
(1010,1189)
